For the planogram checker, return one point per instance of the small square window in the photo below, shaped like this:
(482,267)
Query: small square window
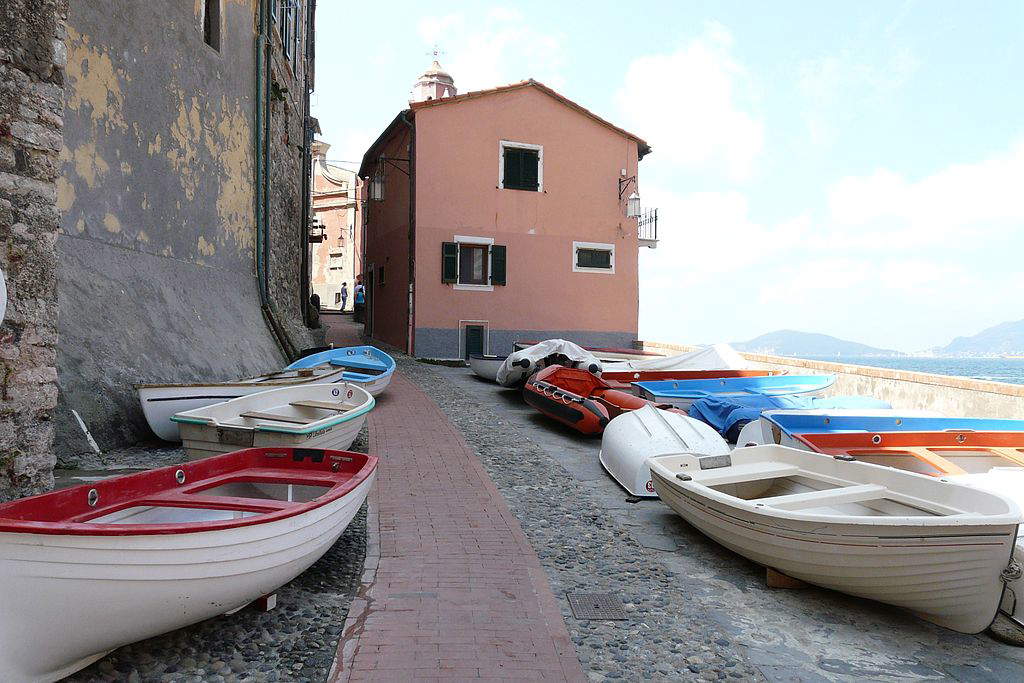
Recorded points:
(473,264)
(521,166)
(592,257)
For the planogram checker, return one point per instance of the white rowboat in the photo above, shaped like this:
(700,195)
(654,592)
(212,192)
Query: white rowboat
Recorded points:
(486,366)
(648,432)
(929,545)
(313,416)
(161,401)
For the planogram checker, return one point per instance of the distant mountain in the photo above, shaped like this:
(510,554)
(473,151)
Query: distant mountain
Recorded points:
(1005,338)
(793,343)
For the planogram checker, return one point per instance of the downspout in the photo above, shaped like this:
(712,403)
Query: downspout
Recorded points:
(262,149)
(307,171)
(411,314)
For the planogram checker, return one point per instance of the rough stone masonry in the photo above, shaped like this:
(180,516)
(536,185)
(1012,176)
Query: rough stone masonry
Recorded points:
(32,60)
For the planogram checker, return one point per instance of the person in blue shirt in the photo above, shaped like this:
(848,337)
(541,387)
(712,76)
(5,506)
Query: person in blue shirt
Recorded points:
(359,305)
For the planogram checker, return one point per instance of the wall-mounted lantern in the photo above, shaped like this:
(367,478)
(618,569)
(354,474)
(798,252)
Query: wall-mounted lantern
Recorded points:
(377,187)
(633,201)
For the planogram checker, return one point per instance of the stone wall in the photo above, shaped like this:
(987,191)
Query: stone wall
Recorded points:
(32,60)
(954,396)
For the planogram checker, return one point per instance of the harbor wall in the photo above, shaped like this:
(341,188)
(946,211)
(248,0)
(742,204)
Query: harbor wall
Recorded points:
(32,58)
(945,394)
(158,191)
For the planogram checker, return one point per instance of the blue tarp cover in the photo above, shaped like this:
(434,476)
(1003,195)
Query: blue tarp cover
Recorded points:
(725,413)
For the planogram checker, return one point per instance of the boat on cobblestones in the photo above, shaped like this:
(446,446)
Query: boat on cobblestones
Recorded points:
(486,366)
(85,570)
(579,399)
(367,366)
(932,546)
(315,416)
(631,439)
(682,393)
(521,364)
(161,401)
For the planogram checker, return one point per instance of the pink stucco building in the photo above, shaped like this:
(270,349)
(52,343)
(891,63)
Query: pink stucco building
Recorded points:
(500,215)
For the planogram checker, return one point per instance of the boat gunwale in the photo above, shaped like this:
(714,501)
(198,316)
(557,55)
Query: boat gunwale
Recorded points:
(249,381)
(302,472)
(308,428)
(1012,515)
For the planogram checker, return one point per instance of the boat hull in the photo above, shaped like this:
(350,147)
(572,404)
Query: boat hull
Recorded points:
(103,591)
(940,573)
(161,401)
(632,438)
(486,366)
(203,441)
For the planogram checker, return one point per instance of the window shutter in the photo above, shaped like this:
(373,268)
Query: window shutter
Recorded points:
(530,161)
(497,264)
(449,261)
(513,167)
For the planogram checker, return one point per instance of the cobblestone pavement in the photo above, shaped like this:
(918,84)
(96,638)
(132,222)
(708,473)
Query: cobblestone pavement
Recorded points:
(696,610)
(296,641)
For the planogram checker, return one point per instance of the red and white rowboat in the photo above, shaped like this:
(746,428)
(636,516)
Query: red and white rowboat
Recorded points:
(87,569)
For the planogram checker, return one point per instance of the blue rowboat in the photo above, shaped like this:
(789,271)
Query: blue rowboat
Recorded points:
(682,393)
(367,366)
(822,422)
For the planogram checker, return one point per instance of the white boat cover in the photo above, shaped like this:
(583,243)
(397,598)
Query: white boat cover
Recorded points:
(513,371)
(714,357)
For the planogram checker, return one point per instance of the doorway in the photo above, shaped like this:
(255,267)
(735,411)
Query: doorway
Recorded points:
(474,343)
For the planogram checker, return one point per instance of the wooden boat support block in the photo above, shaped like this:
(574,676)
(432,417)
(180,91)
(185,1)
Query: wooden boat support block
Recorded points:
(846,494)
(776,579)
(265,603)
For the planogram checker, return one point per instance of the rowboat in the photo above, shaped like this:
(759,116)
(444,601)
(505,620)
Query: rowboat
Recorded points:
(729,414)
(624,380)
(161,401)
(367,366)
(992,461)
(85,570)
(632,438)
(682,393)
(928,545)
(523,363)
(578,399)
(313,416)
(714,357)
(486,366)
(605,354)
(783,426)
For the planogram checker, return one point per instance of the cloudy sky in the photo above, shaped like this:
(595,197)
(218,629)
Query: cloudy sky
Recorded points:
(851,168)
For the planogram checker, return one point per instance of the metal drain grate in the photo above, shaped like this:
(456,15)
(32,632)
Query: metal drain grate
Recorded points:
(599,606)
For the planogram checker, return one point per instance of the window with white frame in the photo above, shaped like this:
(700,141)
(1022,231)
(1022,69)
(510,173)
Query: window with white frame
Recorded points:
(593,257)
(473,263)
(520,166)
(336,260)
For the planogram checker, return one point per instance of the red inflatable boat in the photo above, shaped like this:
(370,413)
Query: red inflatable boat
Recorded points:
(579,399)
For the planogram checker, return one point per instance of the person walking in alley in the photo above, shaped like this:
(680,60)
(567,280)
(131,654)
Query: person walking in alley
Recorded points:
(344,296)
(359,304)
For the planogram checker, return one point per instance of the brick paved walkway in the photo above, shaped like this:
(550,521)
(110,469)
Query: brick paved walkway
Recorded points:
(452,589)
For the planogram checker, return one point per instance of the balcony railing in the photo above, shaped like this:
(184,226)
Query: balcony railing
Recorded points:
(647,228)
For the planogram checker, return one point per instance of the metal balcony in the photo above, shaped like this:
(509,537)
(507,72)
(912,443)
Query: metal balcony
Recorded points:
(647,228)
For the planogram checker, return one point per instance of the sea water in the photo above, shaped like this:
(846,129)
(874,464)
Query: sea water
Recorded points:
(1010,370)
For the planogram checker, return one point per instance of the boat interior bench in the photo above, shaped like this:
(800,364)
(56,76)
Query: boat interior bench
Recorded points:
(338,406)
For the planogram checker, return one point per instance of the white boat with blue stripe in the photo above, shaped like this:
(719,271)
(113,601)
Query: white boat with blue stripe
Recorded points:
(367,366)
(682,393)
(313,416)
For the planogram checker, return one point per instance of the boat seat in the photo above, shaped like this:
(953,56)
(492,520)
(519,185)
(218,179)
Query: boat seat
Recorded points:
(360,363)
(751,472)
(824,497)
(326,405)
(178,499)
(256,415)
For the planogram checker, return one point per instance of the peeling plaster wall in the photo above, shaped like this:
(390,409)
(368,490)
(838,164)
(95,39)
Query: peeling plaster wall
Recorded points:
(157,277)
(31,105)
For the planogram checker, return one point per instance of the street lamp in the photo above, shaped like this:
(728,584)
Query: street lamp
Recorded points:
(633,205)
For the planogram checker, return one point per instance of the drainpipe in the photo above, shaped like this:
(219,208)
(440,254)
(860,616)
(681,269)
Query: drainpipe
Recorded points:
(262,150)
(411,314)
(307,171)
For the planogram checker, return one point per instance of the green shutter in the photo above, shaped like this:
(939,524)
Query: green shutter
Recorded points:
(530,162)
(449,262)
(513,168)
(497,264)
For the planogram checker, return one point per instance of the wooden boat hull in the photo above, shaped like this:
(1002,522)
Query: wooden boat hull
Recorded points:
(632,438)
(226,427)
(486,366)
(360,363)
(67,599)
(162,401)
(948,573)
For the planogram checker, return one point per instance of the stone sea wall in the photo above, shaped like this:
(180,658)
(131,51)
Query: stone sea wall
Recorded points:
(948,395)
(32,61)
